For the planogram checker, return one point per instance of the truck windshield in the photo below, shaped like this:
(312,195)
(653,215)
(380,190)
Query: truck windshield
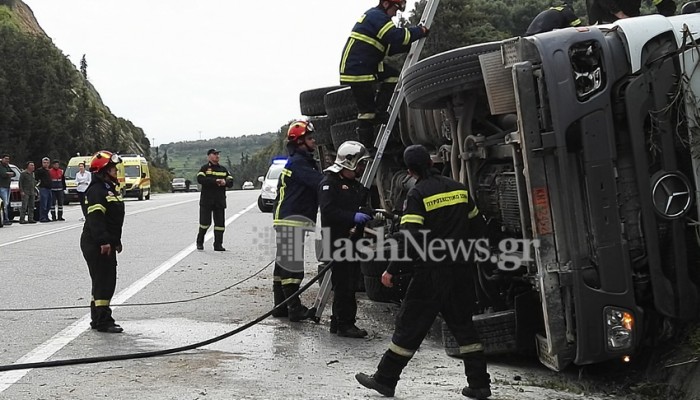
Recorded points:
(132,171)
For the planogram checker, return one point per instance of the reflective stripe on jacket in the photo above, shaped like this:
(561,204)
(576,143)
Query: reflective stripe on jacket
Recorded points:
(297,190)
(372,38)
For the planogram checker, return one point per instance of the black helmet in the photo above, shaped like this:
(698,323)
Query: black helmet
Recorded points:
(417,158)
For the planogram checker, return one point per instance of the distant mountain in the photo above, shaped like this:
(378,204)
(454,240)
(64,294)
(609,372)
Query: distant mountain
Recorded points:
(185,158)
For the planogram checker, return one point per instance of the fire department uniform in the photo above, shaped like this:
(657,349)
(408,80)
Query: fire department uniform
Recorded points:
(339,200)
(373,37)
(553,18)
(295,211)
(443,208)
(212,200)
(103,225)
(58,185)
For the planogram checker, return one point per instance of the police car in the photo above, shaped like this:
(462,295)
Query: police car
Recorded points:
(269,185)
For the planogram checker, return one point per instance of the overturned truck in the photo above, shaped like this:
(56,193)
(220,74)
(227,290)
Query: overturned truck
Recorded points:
(580,143)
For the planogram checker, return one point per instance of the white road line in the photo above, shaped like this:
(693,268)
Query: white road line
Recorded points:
(44,351)
(74,226)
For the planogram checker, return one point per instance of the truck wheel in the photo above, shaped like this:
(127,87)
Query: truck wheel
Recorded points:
(311,101)
(340,104)
(344,131)
(429,83)
(376,291)
(322,129)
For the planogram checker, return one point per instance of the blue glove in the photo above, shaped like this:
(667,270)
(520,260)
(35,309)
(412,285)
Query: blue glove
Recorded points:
(361,218)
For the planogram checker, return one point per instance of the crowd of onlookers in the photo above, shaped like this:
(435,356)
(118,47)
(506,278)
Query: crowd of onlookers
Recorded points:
(48,182)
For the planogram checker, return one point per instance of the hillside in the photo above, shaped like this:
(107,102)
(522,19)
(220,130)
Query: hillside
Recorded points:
(185,158)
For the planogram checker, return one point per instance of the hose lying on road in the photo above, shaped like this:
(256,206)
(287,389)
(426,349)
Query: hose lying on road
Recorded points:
(148,354)
(159,303)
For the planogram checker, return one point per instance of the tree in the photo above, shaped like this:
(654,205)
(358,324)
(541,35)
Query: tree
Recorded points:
(83,66)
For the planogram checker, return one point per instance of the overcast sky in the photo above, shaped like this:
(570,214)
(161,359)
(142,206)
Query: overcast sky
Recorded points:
(183,69)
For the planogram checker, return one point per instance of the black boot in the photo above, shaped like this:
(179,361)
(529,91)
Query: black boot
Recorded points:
(218,239)
(352,331)
(279,297)
(296,311)
(477,376)
(200,238)
(387,375)
(53,215)
(60,216)
(365,134)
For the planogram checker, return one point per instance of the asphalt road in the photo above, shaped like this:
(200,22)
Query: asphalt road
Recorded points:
(42,267)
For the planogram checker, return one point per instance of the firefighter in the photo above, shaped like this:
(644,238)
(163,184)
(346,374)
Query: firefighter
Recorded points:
(295,209)
(101,238)
(441,209)
(340,198)
(58,187)
(373,37)
(214,179)
(607,11)
(558,17)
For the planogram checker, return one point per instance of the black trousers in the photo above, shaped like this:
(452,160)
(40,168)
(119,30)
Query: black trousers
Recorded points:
(372,102)
(344,279)
(103,273)
(83,206)
(205,216)
(289,260)
(57,200)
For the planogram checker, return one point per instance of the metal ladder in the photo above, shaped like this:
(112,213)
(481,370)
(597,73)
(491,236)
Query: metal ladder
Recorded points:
(370,173)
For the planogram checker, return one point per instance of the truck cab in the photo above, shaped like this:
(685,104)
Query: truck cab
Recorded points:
(580,147)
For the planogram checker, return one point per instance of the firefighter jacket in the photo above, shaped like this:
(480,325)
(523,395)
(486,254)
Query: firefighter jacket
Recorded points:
(438,210)
(339,200)
(43,177)
(213,195)
(105,213)
(373,37)
(553,18)
(58,180)
(297,190)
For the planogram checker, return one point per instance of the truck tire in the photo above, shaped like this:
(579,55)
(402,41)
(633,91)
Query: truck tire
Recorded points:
(376,291)
(497,332)
(311,101)
(344,131)
(322,129)
(429,83)
(340,104)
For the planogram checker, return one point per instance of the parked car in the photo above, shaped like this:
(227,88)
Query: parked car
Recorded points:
(248,185)
(193,187)
(178,185)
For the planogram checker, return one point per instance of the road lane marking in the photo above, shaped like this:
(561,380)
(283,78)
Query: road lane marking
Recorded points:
(47,349)
(74,226)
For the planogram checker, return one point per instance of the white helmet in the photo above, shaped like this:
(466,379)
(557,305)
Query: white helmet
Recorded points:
(349,156)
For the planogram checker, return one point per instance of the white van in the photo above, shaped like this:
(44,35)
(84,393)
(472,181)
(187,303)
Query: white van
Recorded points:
(269,185)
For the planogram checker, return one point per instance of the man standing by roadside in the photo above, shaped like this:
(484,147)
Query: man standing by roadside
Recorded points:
(44,178)
(442,209)
(295,210)
(6,174)
(27,185)
(82,181)
(214,179)
(58,186)
(340,197)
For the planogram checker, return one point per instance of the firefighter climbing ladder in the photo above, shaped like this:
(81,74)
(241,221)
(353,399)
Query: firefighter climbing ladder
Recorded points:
(380,143)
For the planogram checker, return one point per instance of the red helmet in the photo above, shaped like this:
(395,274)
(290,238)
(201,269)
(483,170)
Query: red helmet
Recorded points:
(103,158)
(298,129)
(400,4)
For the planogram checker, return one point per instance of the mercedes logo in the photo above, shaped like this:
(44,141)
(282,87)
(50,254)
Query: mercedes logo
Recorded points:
(671,194)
